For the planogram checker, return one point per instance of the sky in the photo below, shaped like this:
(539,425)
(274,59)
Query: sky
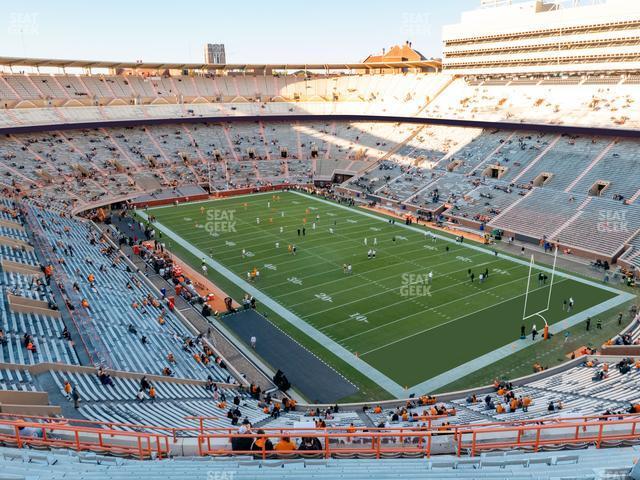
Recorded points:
(265,31)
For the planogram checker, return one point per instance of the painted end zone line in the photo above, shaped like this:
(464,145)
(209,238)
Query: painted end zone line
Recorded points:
(487,359)
(491,357)
(338,350)
(363,367)
(465,244)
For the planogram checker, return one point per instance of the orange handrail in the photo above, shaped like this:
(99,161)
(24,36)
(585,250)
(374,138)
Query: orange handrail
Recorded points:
(78,438)
(537,435)
(374,440)
(428,421)
(467,438)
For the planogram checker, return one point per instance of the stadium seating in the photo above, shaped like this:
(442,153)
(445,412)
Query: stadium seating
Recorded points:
(118,403)
(593,103)
(585,464)
(489,178)
(117,299)
(397,163)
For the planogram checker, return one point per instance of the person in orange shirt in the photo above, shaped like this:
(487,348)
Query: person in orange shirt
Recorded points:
(526,401)
(152,393)
(91,278)
(377,409)
(67,387)
(285,444)
(85,303)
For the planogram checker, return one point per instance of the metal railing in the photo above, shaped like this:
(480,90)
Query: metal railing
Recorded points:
(83,438)
(373,442)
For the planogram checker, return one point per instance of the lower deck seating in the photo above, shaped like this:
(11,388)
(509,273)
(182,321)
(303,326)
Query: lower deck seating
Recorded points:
(579,465)
(117,299)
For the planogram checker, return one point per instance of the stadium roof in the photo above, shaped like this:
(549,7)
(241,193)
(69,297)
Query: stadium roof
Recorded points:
(60,63)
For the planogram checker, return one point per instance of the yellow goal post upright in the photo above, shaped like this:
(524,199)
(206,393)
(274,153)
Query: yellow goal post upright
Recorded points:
(539,313)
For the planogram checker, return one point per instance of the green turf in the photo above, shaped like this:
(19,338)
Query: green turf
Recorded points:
(384,310)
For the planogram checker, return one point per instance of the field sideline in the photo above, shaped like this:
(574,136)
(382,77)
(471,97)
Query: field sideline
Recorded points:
(387,310)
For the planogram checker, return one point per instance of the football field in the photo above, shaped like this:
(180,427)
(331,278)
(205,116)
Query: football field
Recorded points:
(411,313)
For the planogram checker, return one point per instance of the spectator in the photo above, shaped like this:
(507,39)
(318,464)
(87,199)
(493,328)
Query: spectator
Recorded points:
(285,444)
(75,396)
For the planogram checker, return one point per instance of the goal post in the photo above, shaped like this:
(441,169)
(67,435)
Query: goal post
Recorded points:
(546,308)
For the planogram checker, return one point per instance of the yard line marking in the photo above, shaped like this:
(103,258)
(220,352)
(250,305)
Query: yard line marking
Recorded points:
(489,358)
(478,248)
(432,308)
(446,323)
(379,292)
(362,275)
(316,335)
(342,278)
(341,352)
(412,299)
